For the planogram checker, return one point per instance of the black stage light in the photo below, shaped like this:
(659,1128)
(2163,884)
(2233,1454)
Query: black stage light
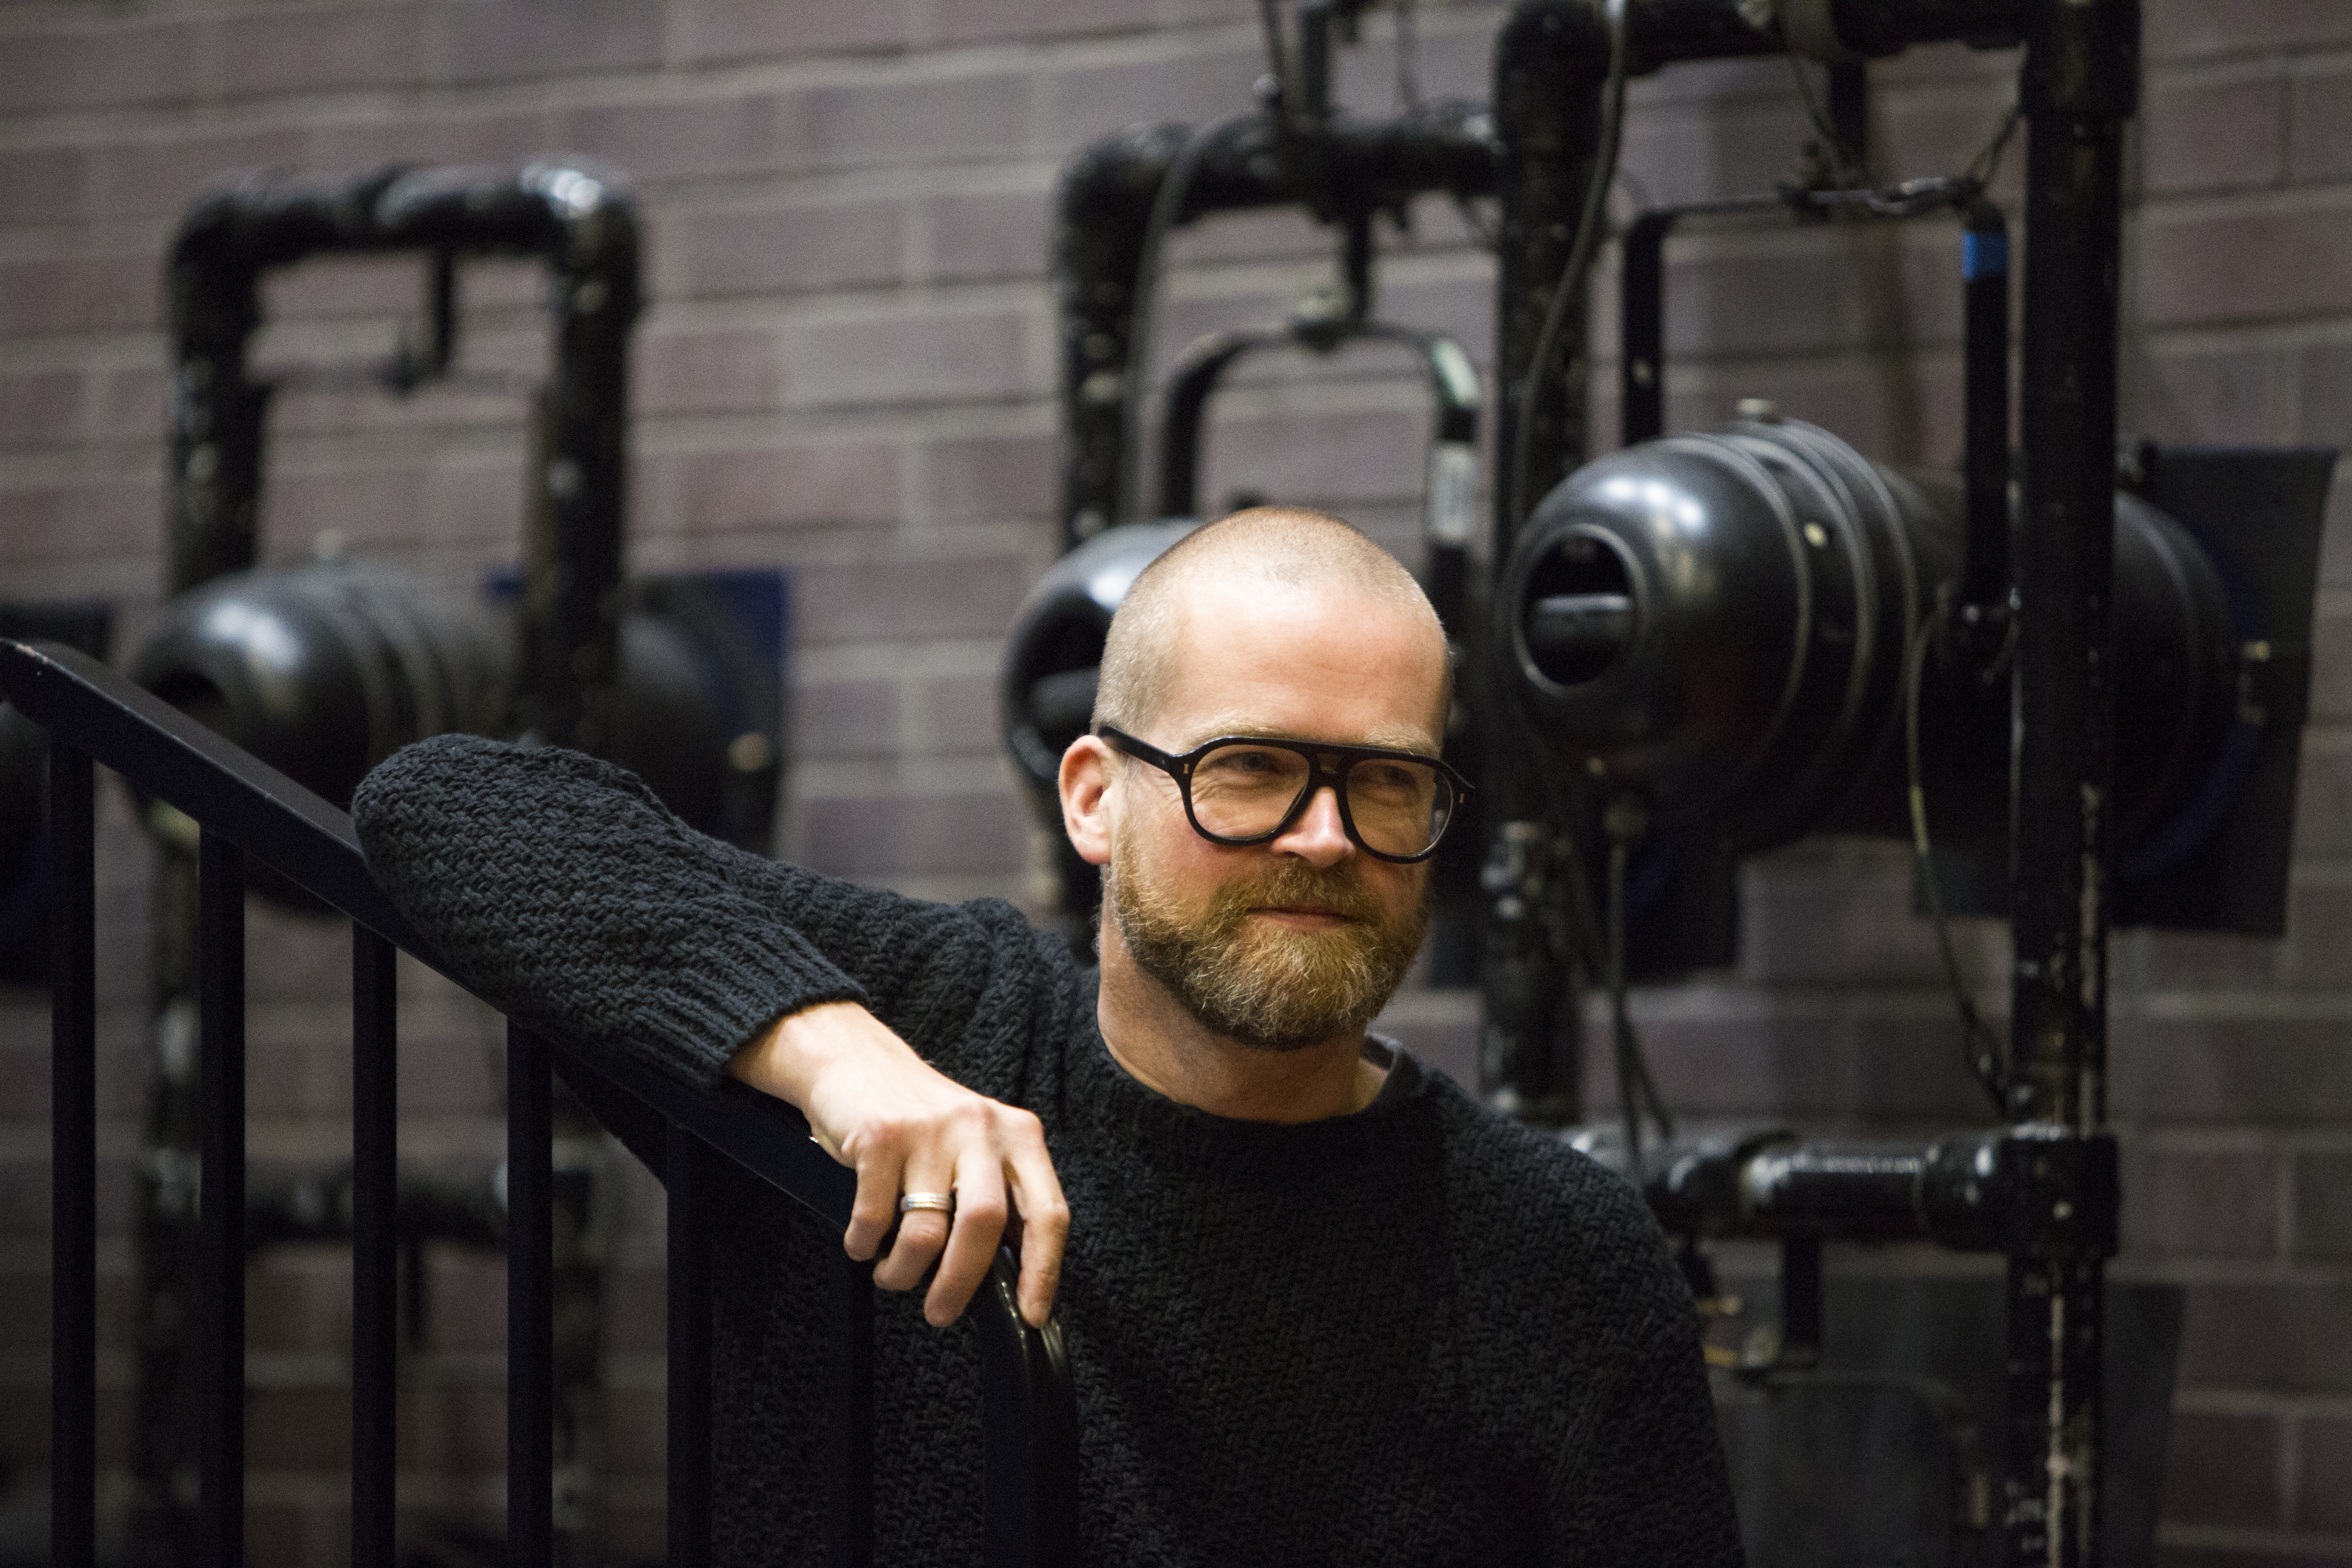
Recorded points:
(1717,622)
(323,670)
(1047,693)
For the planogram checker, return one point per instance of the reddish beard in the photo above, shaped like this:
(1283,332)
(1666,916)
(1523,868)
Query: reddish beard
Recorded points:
(1269,987)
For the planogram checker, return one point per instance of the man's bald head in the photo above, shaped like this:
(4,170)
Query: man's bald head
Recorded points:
(1281,548)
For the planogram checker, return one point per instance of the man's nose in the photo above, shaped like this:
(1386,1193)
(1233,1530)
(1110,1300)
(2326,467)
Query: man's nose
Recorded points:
(1318,838)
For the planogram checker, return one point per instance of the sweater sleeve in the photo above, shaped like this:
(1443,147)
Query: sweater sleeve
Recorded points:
(561,890)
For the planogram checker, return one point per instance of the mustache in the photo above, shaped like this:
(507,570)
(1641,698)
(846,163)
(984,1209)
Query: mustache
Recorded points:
(1297,885)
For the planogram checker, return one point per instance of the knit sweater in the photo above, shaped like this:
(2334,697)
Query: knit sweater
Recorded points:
(1421,1333)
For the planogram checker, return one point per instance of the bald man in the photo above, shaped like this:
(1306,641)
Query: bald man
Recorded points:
(1320,1307)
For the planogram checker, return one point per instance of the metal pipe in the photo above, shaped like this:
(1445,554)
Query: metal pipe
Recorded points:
(1971,1192)
(1550,61)
(1642,327)
(2079,89)
(1984,462)
(1102,210)
(1198,371)
(575,217)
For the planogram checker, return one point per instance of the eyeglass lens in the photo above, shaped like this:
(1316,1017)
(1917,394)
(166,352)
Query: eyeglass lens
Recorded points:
(1244,791)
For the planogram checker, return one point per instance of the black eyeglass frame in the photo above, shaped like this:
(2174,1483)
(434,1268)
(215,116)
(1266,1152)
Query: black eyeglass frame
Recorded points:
(1319,776)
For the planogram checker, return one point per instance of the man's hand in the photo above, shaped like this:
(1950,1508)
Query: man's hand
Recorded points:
(905,1126)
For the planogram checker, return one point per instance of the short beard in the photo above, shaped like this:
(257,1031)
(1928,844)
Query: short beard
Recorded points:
(1269,989)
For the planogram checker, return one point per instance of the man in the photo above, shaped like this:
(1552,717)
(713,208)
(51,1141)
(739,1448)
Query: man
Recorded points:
(1319,1305)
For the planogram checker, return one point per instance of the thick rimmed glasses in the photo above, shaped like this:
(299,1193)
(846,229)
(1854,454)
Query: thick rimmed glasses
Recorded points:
(1247,789)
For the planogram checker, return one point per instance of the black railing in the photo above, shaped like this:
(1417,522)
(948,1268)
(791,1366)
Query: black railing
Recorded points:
(247,809)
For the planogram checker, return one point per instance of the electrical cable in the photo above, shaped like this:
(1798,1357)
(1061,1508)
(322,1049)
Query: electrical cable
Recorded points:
(1844,167)
(1978,1046)
(1596,947)
(1995,150)
(1588,225)
(1624,823)
(1628,1104)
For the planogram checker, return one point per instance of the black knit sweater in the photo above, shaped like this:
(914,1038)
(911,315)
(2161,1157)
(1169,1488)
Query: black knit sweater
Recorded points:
(1418,1334)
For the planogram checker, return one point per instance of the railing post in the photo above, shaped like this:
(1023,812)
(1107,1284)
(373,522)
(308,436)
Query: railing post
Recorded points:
(1030,1497)
(853,1415)
(688,1447)
(220,969)
(375,1240)
(73,1157)
(530,1302)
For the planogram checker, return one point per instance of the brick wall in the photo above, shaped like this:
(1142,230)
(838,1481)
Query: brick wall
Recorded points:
(846,368)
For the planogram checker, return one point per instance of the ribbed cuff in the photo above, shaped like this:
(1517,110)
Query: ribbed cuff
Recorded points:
(701,1016)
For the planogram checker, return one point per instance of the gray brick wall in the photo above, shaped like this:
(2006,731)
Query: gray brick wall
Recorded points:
(846,368)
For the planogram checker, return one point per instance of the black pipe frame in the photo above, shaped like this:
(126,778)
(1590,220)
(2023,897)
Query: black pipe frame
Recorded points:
(1454,387)
(2052,1209)
(1551,65)
(1341,167)
(2079,89)
(577,219)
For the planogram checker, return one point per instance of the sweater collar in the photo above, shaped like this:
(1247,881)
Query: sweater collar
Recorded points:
(1136,1116)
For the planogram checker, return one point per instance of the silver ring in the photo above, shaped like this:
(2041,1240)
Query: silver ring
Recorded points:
(936,1202)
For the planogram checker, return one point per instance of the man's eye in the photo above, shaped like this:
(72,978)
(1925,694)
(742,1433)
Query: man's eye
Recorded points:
(1240,763)
(1391,785)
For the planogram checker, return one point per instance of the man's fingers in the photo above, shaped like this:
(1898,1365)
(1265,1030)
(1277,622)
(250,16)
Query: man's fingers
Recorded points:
(921,1232)
(875,1208)
(921,1235)
(1045,1227)
(978,1224)
(991,1162)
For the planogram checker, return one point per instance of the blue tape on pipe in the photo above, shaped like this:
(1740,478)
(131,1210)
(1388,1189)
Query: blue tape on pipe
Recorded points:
(1982,254)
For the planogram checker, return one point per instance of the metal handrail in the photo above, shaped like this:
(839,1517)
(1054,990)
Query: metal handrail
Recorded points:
(246,807)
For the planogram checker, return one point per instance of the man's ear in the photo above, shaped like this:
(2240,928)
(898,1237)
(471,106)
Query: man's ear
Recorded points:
(1088,768)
